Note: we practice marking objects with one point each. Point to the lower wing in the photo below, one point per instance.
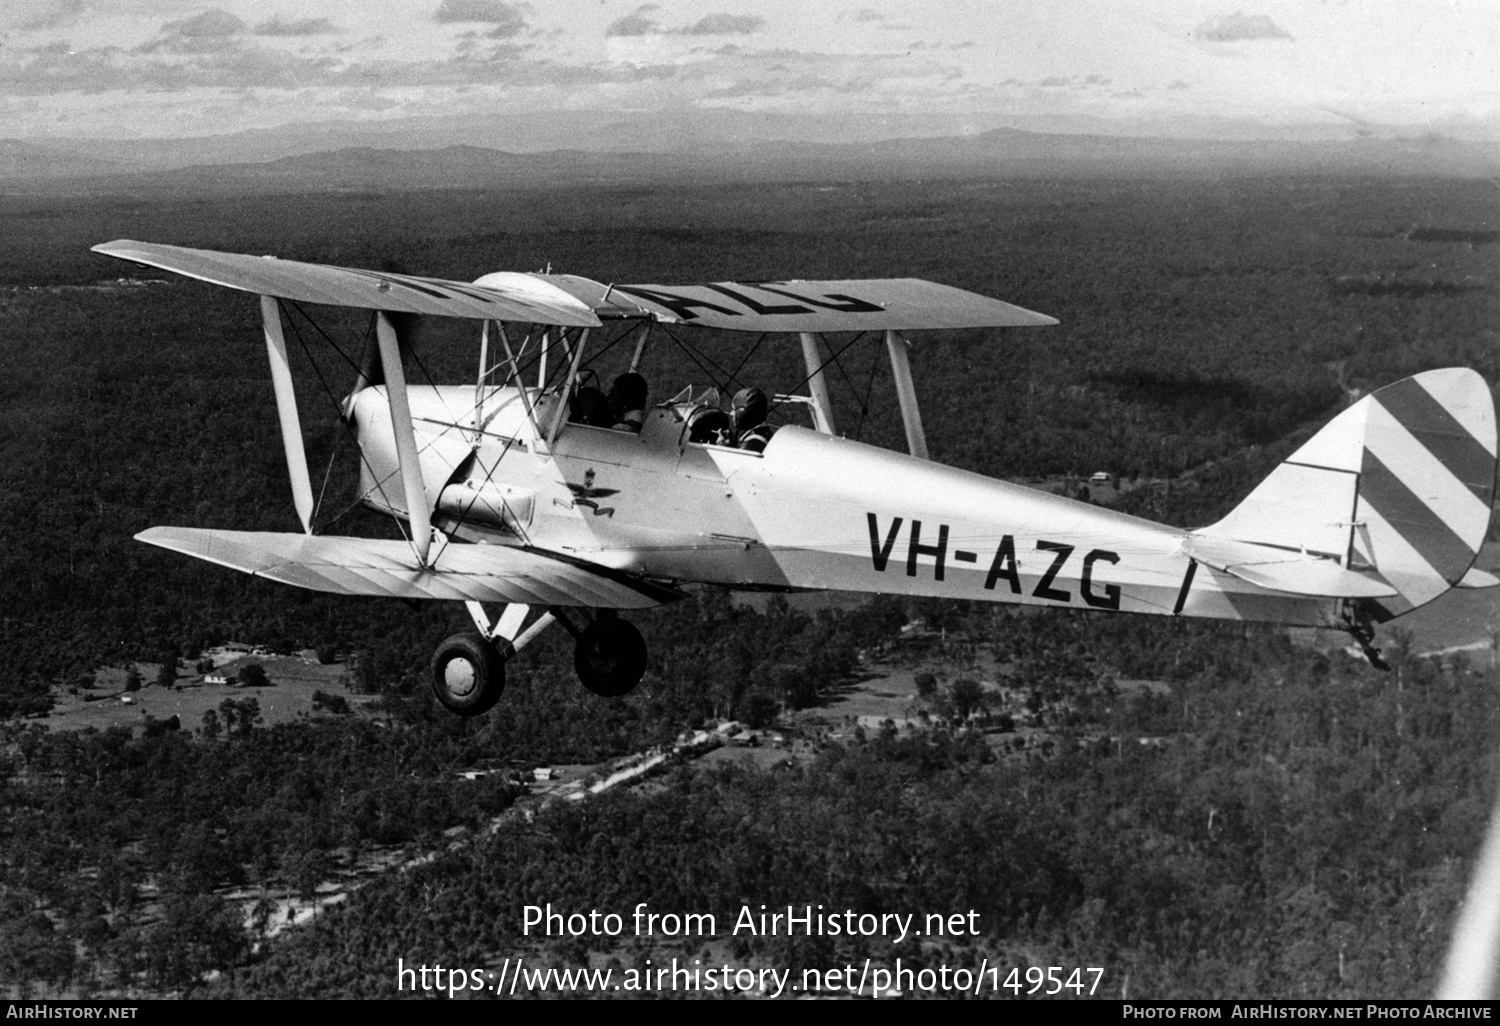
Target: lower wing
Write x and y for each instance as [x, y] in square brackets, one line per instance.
[389, 569]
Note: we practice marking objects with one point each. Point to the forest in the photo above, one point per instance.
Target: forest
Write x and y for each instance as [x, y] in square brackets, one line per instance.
[1281, 821]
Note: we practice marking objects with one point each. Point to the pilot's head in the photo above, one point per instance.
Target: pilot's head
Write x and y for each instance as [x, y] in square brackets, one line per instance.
[750, 409]
[628, 393]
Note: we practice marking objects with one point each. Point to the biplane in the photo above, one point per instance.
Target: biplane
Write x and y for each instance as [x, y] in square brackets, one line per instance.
[532, 493]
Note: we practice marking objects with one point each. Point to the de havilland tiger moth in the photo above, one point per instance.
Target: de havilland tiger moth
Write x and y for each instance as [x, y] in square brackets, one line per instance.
[534, 490]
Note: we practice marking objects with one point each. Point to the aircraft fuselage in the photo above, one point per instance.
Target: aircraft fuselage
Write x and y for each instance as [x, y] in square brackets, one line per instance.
[813, 511]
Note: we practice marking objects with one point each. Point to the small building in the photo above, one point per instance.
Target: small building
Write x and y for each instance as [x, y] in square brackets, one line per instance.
[214, 678]
[1101, 477]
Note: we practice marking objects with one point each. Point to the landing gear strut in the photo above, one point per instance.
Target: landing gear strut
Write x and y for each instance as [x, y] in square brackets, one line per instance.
[610, 656]
[468, 676]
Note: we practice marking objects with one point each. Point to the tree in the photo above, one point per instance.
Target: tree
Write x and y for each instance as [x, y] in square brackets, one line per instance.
[366, 672]
[337, 704]
[305, 870]
[133, 678]
[253, 675]
[197, 933]
[167, 675]
[211, 726]
[119, 880]
[327, 654]
[201, 861]
[926, 685]
[229, 712]
[967, 695]
[759, 711]
[260, 915]
[31, 948]
[249, 715]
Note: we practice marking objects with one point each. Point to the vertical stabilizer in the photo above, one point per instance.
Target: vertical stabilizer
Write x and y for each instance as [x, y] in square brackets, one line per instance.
[1399, 487]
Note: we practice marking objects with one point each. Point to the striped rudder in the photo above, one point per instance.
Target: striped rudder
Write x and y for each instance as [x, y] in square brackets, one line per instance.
[1426, 484]
[1397, 487]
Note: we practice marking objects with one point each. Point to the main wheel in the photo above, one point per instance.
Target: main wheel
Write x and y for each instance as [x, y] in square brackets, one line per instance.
[610, 657]
[467, 675]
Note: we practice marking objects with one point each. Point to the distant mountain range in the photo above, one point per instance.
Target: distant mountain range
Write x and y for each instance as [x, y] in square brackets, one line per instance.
[219, 164]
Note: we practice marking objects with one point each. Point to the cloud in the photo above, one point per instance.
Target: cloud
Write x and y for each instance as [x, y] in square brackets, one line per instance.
[503, 65]
[59, 68]
[508, 19]
[209, 50]
[1239, 26]
[258, 67]
[210, 24]
[724, 25]
[212, 31]
[752, 80]
[636, 23]
[53, 14]
[305, 27]
[640, 23]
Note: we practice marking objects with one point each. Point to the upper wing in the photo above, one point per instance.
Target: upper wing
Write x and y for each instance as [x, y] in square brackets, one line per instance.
[876, 304]
[518, 298]
[366, 566]
[898, 304]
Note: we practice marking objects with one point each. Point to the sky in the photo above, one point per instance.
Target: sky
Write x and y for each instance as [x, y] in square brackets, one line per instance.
[165, 68]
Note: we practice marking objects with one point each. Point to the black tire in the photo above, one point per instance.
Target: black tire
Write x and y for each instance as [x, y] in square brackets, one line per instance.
[610, 657]
[467, 675]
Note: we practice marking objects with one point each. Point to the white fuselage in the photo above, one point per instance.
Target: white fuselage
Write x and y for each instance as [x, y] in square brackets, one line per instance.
[812, 512]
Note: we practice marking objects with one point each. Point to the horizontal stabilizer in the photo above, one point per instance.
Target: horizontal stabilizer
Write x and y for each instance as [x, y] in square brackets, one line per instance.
[532, 300]
[1476, 579]
[1281, 570]
[389, 569]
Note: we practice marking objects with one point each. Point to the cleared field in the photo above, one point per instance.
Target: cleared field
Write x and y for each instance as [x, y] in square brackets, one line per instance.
[288, 696]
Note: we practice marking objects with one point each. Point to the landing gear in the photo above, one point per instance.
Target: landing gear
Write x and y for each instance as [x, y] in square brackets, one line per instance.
[467, 675]
[468, 670]
[610, 656]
